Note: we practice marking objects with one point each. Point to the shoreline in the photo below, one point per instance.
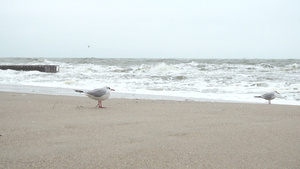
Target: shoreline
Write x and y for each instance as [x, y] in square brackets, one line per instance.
[117, 95]
[50, 131]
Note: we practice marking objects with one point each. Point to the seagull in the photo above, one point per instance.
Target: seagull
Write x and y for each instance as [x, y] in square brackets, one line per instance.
[268, 96]
[99, 94]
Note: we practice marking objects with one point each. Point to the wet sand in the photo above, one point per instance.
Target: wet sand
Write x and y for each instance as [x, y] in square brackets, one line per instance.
[46, 131]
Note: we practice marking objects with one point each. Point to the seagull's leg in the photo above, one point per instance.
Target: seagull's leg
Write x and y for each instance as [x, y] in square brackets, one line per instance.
[100, 104]
[269, 101]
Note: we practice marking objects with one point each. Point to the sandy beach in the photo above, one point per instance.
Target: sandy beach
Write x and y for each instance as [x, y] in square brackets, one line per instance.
[47, 131]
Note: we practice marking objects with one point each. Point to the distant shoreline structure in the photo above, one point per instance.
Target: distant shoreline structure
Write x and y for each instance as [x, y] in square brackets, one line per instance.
[41, 68]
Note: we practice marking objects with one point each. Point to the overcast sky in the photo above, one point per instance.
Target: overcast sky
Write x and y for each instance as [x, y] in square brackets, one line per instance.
[150, 28]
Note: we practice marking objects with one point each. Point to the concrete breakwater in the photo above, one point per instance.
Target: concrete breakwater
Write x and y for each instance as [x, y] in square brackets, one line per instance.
[41, 68]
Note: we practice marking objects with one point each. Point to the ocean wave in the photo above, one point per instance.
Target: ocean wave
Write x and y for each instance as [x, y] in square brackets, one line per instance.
[197, 78]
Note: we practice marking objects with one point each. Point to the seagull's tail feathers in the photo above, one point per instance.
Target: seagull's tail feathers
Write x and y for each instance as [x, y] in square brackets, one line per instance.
[79, 91]
[257, 97]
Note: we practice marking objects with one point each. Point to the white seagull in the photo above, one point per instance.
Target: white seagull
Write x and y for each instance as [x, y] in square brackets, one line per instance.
[98, 94]
[268, 96]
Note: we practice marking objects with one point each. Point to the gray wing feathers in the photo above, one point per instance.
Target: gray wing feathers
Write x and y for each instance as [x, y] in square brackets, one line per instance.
[268, 96]
[97, 92]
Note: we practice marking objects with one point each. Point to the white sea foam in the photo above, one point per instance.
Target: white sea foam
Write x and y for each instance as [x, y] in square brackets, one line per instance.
[221, 80]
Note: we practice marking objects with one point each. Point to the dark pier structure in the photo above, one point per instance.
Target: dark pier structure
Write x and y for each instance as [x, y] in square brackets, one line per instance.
[41, 68]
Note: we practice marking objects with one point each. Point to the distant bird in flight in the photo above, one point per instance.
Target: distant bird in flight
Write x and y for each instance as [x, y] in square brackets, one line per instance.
[88, 46]
[98, 94]
[268, 96]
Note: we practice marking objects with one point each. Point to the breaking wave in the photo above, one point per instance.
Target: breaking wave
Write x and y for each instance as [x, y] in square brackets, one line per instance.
[189, 78]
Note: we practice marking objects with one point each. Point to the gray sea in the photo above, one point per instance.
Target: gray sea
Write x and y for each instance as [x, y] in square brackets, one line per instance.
[225, 80]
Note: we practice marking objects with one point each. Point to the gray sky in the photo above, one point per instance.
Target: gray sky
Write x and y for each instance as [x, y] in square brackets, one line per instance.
[150, 28]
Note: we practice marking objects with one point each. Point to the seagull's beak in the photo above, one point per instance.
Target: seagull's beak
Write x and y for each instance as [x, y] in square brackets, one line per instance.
[112, 89]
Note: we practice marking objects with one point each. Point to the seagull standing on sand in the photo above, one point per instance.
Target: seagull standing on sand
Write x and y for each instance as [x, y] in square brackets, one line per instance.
[268, 96]
[98, 94]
